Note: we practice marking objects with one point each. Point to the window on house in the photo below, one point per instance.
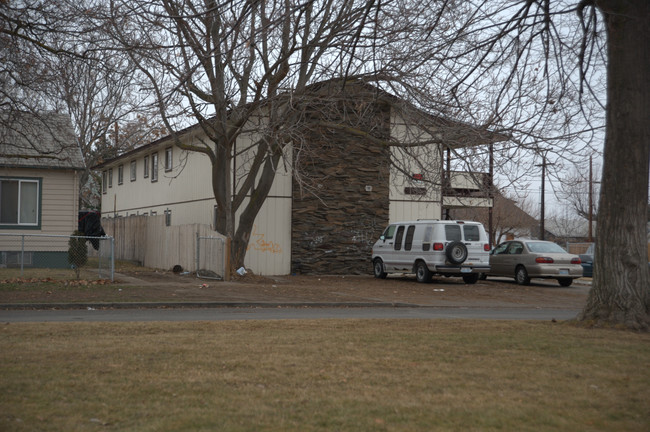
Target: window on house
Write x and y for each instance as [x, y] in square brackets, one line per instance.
[168, 159]
[120, 174]
[19, 199]
[154, 167]
[104, 181]
[415, 191]
[133, 170]
[110, 177]
[146, 167]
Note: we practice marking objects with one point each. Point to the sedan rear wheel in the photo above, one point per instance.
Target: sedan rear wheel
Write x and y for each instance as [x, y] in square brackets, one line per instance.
[565, 282]
[521, 276]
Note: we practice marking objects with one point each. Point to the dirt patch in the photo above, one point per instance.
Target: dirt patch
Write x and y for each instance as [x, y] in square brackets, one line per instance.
[159, 286]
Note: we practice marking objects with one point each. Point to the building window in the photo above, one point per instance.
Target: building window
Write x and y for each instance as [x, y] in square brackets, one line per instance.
[120, 174]
[415, 191]
[146, 167]
[168, 217]
[168, 159]
[133, 170]
[104, 181]
[154, 167]
[110, 177]
[19, 202]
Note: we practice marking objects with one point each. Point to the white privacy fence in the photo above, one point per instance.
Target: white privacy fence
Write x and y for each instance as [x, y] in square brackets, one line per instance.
[150, 241]
[26, 255]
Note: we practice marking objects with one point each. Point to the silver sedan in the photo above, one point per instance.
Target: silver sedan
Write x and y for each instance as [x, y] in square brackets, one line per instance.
[526, 259]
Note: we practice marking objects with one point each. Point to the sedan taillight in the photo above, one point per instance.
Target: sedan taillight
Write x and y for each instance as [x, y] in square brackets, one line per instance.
[544, 260]
[576, 261]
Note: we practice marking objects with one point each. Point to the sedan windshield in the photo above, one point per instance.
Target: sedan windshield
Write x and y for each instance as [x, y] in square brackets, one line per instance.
[544, 247]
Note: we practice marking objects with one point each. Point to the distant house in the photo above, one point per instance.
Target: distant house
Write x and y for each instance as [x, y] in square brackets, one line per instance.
[40, 164]
[357, 185]
[508, 219]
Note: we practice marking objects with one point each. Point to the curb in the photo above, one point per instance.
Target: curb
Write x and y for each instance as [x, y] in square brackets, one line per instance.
[197, 305]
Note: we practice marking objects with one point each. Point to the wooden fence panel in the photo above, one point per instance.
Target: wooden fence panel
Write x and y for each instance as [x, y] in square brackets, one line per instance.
[147, 240]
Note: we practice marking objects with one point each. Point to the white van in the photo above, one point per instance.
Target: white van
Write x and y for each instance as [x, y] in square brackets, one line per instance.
[427, 247]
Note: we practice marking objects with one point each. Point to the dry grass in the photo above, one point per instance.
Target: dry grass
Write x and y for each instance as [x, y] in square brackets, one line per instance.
[88, 271]
[322, 376]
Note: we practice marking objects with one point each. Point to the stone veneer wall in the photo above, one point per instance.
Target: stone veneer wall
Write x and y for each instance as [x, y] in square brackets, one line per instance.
[333, 232]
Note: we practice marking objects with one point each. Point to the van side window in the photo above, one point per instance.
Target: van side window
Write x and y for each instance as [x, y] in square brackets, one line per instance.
[408, 242]
[398, 238]
[471, 233]
[390, 232]
[452, 232]
[426, 240]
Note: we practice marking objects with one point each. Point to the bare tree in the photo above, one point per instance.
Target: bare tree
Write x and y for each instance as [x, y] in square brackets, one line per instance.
[230, 65]
[581, 189]
[546, 63]
[54, 59]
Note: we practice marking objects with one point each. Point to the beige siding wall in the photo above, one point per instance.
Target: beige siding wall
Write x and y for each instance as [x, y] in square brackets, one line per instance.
[186, 191]
[414, 159]
[59, 200]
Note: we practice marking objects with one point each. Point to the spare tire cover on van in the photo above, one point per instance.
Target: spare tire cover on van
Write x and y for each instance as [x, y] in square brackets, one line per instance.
[456, 252]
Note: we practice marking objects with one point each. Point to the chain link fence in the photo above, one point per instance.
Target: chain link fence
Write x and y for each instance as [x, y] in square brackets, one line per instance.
[56, 256]
[210, 257]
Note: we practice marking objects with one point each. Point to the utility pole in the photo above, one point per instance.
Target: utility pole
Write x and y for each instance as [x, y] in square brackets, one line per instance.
[591, 199]
[541, 222]
[491, 197]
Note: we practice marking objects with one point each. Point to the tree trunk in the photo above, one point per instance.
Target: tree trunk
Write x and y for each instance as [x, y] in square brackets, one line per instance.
[620, 292]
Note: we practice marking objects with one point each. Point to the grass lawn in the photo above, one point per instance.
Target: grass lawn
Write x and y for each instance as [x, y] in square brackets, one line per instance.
[323, 375]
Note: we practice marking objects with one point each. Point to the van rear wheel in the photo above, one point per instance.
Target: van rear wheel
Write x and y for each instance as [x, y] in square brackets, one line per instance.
[470, 278]
[378, 269]
[422, 273]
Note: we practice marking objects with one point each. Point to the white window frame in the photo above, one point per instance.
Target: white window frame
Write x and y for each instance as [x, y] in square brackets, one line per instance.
[146, 166]
[134, 170]
[37, 209]
[168, 159]
[154, 167]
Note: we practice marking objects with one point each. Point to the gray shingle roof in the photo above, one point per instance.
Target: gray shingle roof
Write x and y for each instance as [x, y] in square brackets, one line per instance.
[38, 141]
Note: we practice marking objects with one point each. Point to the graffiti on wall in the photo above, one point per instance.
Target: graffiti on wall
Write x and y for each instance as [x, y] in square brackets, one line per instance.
[259, 243]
